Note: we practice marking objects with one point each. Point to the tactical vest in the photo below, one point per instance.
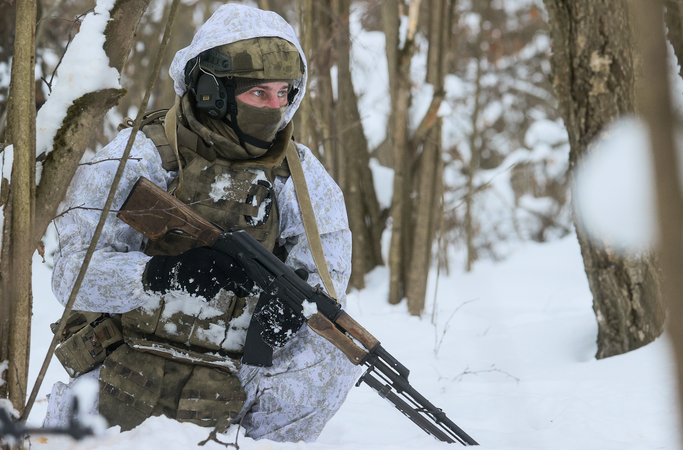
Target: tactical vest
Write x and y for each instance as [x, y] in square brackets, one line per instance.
[235, 195]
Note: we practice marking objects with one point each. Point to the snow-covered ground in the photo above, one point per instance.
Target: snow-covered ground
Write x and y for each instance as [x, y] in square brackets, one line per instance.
[510, 360]
[509, 354]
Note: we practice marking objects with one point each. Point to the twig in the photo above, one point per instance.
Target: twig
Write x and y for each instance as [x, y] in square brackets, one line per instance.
[76, 21]
[92, 163]
[437, 346]
[212, 435]
[105, 213]
[133, 212]
[479, 188]
[438, 258]
[493, 368]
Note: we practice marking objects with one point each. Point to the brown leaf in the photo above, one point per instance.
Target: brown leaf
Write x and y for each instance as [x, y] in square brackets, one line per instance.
[41, 251]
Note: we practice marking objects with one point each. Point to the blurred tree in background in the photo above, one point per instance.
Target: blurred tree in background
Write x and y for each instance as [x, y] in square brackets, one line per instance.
[595, 74]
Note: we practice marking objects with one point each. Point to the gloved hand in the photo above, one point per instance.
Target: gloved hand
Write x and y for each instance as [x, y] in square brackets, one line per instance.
[199, 271]
[279, 322]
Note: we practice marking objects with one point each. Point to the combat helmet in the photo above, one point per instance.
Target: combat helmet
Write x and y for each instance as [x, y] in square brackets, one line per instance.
[217, 76]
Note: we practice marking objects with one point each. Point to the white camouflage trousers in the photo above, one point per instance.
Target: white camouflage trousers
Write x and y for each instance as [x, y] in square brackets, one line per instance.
[288, 402]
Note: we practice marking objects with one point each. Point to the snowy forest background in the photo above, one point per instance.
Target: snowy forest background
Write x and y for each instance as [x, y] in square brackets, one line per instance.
[456, 163]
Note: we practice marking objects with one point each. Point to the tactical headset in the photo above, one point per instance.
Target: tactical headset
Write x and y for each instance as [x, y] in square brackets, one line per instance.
[209, 76]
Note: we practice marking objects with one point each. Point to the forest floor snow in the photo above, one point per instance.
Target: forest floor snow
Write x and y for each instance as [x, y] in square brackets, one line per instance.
[510, 360]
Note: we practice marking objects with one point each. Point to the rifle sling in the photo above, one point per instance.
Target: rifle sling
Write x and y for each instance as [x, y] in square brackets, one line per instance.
[308, 216]
[170, 126]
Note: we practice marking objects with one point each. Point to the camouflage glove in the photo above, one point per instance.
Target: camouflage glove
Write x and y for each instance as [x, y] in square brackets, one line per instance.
[199, 271]
[280, 323]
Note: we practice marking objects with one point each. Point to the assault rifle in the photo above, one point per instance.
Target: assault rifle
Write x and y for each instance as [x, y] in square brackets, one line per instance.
[11, 430]
[153, 212]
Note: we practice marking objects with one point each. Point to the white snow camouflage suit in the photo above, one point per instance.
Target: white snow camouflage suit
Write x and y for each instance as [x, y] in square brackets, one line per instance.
[309, 379]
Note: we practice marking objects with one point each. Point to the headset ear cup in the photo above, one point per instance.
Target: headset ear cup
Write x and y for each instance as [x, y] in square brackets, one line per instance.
[211, 97]
[191, 71]
[290, 96]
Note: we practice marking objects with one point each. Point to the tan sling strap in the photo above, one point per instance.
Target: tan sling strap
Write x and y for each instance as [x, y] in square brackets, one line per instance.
[308, 216]
[170, 126]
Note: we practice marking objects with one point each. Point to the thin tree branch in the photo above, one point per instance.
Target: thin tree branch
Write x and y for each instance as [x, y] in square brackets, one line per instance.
[493, 368]
[75, 21]
[92, 163]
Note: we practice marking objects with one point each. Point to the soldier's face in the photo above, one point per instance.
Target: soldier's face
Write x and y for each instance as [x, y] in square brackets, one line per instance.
[266, 95]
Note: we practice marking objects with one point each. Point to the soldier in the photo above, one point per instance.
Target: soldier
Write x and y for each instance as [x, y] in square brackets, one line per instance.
[163, 324]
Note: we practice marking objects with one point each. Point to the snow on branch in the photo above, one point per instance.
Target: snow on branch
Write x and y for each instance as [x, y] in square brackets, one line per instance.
[85, 68]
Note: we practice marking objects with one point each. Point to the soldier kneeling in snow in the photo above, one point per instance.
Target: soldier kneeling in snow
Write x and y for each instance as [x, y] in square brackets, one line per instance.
[162, 325]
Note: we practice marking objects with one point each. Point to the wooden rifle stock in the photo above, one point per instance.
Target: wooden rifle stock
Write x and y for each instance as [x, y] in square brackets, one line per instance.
[154, 212]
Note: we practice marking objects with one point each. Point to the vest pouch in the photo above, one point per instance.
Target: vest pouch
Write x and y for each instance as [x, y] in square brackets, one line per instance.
[75, 322]
[130, 387]
[181, 319]
[211, 397]
[143, 319]
[180, 353]
[87, 348]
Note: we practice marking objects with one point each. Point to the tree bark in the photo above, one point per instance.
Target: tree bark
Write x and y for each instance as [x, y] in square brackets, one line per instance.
[16, 283]
[429, 175]
[655, 101]
[400, 203]
[594, 80]
[359, 191]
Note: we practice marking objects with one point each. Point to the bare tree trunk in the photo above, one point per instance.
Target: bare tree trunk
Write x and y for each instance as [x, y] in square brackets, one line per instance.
[674, 24]
[16, 283]
[359, 191]
[594, 82]
[5, 306]
[655, 101]
[390, 26]
[324, 107]
[429, 175]
[306, 37]
[400, 203]
[473, 166]
[7, 22]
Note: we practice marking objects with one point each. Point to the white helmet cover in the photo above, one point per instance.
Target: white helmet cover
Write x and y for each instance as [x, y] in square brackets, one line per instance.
[235, 22]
